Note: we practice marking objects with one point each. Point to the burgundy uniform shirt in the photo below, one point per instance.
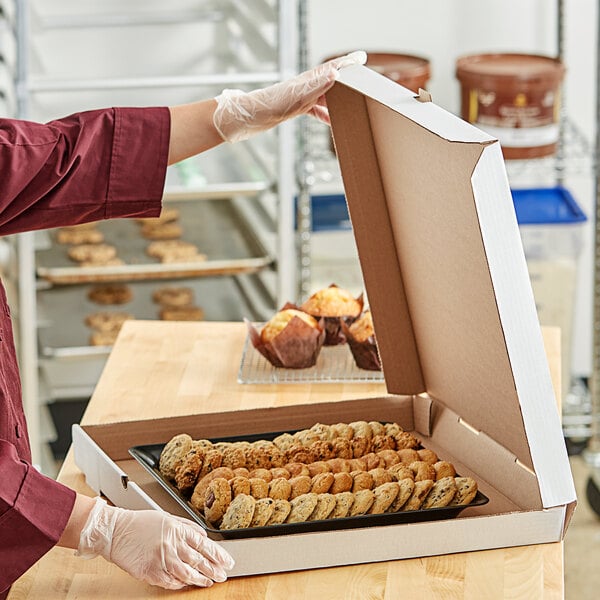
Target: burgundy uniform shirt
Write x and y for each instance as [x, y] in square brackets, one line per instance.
[93, 165]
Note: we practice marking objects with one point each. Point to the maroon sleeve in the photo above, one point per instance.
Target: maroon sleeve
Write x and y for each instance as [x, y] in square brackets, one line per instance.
[34, 511]
[92, 165]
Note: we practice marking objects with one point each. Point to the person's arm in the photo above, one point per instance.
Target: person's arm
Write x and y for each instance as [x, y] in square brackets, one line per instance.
[192, 130]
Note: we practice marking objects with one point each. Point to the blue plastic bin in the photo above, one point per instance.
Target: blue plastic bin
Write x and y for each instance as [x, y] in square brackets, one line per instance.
[550, 222]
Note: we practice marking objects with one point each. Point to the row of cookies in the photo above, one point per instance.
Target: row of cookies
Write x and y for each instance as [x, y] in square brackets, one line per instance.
[185, 461]
[279, 485]
[320, 442]
[244, 510]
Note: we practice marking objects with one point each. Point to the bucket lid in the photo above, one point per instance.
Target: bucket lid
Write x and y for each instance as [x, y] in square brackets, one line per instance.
[509, 66]
[394, 65]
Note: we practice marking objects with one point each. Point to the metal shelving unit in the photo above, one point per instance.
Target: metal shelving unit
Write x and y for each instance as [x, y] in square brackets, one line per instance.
[253, 44]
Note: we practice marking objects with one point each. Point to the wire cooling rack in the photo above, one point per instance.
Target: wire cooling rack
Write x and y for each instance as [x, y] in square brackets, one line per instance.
[334, 365]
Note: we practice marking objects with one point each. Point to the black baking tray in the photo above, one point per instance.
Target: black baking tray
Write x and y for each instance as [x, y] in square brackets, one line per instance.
[148, 456]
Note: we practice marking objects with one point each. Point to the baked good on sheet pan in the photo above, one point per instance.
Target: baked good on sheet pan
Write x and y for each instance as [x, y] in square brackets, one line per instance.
[181, 313]
[172, 295]
[161, 231]
[381, 482]
[96, 254]
[110, 293]
[167, 214]
[333, 304]
[107, 321]
[74, 235]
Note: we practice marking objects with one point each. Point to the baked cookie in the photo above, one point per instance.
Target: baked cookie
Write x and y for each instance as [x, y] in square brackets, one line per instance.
[405, 490]
[362, 503]
[302, 507]
[390, 457]
[103, 338]
[161, 231]
[234, 458]
[174, 258]
[173, 450]
[213, 459]
[419, 493]
[263, 509]
[172, 248]
[422, 470]
[441, 494]
[339, 465]
[408, 455]
[362, 480]
[259, 488]
[300, 485]
[406, 440]
[373, 461]
[281, 510]
[318, 467]
[321, 483]
[284, 441]
[198, 495]
[110, 293]
[325, 505]
[466, 489]
[92, 253]
[401, 471]
[239, 485]
[380, 476]
[280, 489]
[360, 446]
[111, 262]
[107, 321]
[362, 429]
[239, 513]
[385, 494]
[261, 473]
[297, 469]
[392, 429]
[342, 448]
[188, 469]
[79, 236]
[277, 472]
[217, 499]
[443, 469]
[382, 442]
[427, 455]
[171, 295]
[343, 504]
[342, 430]
[181, 313]
[342, 482]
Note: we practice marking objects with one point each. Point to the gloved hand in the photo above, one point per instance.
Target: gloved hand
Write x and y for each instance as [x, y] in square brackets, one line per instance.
[242, 114]
[153, 546]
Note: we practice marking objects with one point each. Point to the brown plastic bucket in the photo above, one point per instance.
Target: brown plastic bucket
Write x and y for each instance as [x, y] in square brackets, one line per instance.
[515, 98]
[412, 72]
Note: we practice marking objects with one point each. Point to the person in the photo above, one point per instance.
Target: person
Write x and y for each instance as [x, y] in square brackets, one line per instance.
[102, 164]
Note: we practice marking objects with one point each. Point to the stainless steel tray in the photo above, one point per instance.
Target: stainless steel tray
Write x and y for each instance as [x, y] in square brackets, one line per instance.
[215, 226]
[335, 364]
[148, 456]
[225, 171]
[62, 332]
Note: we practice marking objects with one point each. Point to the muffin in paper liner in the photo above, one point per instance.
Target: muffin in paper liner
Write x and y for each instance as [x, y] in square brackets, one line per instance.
[333, 304]
[360, 336]
[296, 346]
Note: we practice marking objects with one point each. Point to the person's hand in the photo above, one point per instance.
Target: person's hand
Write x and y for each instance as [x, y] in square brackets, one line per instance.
[241, 114]
[153, 546]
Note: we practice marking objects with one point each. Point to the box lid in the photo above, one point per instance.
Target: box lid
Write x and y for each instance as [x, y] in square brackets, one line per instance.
[444, 268]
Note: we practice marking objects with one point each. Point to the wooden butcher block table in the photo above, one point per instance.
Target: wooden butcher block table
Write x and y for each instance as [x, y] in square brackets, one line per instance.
[159, 369]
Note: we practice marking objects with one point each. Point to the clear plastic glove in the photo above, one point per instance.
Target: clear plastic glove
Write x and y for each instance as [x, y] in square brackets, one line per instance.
[241, 114]
[153, 546]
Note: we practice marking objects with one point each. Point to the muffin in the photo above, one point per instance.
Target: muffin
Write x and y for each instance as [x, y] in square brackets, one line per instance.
[333, 304]
[291, 339]
[360, 336]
